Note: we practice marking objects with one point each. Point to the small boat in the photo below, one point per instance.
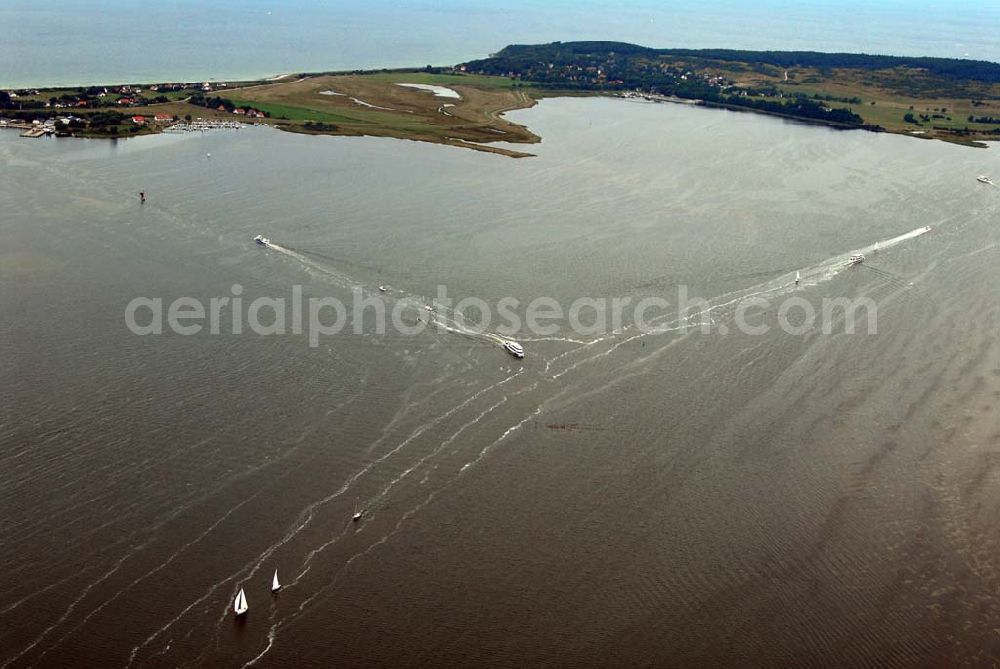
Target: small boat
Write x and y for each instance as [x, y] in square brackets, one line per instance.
[275, 585]
[382, 289]
[357, 512]
[798, 277]
[983, 179]
[514, 348]
[856, 259]
[428, 307]
[262, 240]
[875, 250]
[240, 604]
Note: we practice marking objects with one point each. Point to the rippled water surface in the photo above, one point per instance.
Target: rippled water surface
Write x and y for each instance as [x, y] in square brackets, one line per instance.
[674, 498]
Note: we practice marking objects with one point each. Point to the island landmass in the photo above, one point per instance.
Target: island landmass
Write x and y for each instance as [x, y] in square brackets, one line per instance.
[933, 98]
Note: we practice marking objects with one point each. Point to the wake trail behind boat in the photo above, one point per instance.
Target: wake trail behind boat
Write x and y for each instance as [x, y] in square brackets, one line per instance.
[345, 281]
[336, 259]
[888, 243]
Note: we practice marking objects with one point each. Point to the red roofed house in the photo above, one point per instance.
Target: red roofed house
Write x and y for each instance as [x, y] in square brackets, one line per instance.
[125, 101]
[163, 118]
[239, 110]
[140, 120]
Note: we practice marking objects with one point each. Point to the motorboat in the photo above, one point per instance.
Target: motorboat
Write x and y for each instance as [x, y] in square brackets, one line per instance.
[428, 307]
[262, 240]
[514, 348]
[983, 179]
[856, 259]
[382, 289]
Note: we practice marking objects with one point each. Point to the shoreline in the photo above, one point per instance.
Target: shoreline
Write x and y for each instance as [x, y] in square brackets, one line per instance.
[299, 102]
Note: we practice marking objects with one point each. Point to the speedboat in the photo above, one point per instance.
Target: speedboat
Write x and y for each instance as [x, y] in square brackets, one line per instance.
[428, 307]
[382, 289]
[856, 259]
[983, 179]
[514, 348]
[262, 240]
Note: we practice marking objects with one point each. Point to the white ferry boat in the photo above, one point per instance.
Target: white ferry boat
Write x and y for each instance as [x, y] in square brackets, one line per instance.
[514, 348]
[856, 259]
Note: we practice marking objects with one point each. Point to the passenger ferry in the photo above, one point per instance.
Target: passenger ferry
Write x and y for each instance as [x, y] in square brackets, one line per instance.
[514, 348]
[856, 259]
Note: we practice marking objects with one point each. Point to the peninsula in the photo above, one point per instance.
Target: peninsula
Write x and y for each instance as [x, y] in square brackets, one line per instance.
[463, 105]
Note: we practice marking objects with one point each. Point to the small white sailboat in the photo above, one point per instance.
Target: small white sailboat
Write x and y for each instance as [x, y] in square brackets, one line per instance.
[240, 604]
[798, 277]
[382, 289]
[275, 585]
[357, 512]
[875, 250]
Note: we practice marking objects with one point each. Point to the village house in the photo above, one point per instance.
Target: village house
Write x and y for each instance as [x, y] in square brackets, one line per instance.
[163, 118]
[139, 120]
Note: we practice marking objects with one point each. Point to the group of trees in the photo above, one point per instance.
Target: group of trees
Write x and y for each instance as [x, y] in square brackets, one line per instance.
[211, 101]
[215, 101]
[798, 107]
[948, 68]
[319, 126]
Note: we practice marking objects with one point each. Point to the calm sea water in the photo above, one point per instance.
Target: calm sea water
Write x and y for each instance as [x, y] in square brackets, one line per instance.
[81, 42]
[669, 499]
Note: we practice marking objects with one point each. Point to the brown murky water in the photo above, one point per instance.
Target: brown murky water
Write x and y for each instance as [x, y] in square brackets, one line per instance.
[666, 499]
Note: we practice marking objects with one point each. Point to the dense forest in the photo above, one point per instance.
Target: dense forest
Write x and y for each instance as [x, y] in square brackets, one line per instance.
[518, 56]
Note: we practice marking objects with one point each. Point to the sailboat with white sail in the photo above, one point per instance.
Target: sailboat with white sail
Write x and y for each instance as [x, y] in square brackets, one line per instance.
[240, 603]
[275, 585]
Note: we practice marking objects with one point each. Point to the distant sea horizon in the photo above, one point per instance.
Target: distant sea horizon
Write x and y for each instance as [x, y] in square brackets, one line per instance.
[122, 42]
